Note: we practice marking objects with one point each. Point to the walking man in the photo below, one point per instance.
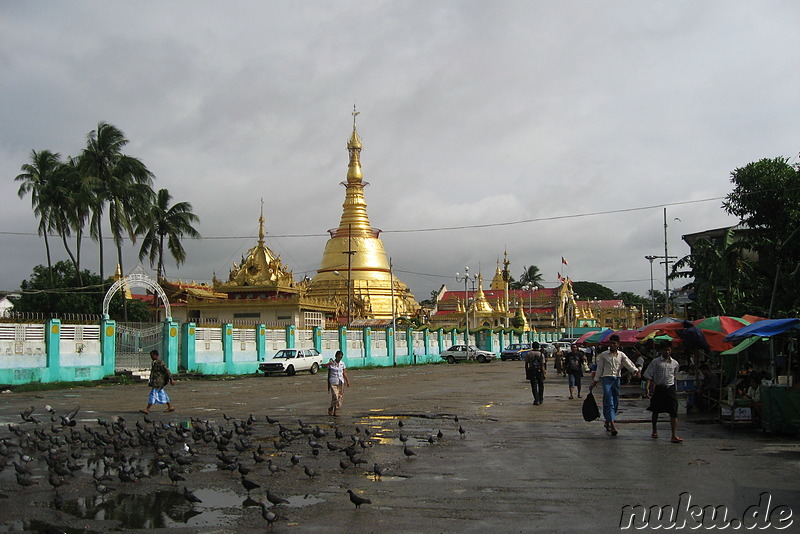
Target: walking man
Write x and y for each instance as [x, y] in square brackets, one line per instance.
[536, 372]
[664, 399]
[337, 379]
[159, 377]
[609, 371]
[574, 368]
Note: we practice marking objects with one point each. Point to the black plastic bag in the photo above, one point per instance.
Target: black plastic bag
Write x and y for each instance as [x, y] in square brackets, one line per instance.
[590, 410]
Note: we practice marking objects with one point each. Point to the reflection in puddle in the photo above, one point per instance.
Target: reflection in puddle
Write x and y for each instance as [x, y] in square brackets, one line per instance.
[161, 509]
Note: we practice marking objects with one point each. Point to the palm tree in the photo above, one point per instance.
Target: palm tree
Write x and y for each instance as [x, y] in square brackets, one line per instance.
[531, 276]
[121, 182]
[37, 178]
[160, 222]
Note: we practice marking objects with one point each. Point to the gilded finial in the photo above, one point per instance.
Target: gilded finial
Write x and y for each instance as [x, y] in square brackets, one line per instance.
[261, 225]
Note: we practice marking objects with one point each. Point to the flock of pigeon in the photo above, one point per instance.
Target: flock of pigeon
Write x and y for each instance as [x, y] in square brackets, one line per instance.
[256, 451]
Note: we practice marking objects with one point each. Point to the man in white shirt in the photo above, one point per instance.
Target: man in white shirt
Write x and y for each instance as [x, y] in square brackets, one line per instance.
[664, 399]
[609, 370]
[337, 379]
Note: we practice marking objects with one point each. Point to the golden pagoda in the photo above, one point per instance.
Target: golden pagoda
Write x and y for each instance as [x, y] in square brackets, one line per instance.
[355, 268]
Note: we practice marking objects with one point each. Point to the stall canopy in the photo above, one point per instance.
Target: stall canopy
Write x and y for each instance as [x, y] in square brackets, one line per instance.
[765, 328]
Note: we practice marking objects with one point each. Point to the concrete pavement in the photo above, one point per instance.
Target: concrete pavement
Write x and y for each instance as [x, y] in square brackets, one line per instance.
[517, 468]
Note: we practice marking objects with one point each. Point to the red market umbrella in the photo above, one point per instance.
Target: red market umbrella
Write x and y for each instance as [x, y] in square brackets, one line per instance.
[627, 338]
[586, 336]
[716, 328]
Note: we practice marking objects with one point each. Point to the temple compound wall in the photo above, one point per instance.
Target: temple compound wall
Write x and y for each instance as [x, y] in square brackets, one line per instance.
[55, 352]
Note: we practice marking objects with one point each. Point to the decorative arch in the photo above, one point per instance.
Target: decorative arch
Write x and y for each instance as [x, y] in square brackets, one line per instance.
[137, 278]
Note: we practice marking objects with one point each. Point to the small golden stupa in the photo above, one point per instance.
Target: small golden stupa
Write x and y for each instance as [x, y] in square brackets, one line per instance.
[355, 269]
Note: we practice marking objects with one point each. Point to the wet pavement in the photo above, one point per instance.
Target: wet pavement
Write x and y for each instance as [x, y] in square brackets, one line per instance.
[516, 467]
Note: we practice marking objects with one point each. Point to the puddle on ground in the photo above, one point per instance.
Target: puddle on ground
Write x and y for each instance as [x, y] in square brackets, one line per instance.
[385, 478]
[303, 500]
[160, 509]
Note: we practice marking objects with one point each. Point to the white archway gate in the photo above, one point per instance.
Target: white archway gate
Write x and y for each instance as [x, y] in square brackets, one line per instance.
[134, 341]
[137, 278]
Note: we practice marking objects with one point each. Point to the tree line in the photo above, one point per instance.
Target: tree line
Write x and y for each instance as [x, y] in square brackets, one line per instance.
[103, 188]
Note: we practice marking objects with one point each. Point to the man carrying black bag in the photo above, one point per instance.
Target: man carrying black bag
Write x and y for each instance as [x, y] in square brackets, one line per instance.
[536, 372]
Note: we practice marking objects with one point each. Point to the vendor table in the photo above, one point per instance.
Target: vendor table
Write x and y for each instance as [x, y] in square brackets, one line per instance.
[780, 409]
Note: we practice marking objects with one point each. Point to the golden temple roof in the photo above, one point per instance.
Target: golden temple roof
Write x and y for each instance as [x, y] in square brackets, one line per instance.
[481, 304]
[259, 268]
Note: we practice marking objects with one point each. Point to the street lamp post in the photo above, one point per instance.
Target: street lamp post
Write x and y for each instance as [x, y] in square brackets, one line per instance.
[529, 288]
[465, 278]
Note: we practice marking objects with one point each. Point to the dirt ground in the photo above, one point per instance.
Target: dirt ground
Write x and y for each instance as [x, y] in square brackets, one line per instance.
[515, 468]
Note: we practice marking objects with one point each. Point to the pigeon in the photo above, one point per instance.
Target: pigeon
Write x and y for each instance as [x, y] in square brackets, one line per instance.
[268, 515]
[310, 472]
[455, 418]
[408, 452]
[274, 468]
[403, 437]
[25, 480]
[358, 500]
[376, 469]
[295, 459]
[439, 435]
[343, 464]
[271, 421]
[462, 431]
[26, 415]
[249, 485]
[69, 419]
[58, 501]
[400, 424]
[275, 500]
[191, 497]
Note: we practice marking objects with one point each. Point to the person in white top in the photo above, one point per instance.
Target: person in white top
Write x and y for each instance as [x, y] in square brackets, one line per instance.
[609, 369]
[661, 372]
[337, 379]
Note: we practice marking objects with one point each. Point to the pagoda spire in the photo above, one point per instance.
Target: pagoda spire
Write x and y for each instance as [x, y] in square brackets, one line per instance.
[354, 221]
[261, 226]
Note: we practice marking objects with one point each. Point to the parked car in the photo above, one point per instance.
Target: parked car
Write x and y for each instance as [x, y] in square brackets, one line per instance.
[459, 353]
[515, 351]
[547, 348]
[563, 345]
[290, 361]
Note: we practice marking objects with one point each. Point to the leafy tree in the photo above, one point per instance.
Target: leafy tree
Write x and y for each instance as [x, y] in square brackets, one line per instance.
[67, 296]
[766, 199]
[722, 275]
[592, 290]
[37, 179]
[122, 183]
[162, 222]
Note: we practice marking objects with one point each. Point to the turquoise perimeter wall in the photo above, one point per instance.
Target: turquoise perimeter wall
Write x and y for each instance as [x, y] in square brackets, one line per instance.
[224, 350]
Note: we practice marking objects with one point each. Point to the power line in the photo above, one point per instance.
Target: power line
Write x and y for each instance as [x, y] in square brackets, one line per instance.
[448, 228]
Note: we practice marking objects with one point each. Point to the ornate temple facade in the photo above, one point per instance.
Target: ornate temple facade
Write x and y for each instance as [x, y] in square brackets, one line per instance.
[541, 309]
[355, 270]
[259, 289]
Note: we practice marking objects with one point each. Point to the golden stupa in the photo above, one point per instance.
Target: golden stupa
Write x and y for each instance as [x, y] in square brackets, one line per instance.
[355, 269]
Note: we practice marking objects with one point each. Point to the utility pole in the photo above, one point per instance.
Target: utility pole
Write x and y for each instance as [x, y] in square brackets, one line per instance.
[349, 253]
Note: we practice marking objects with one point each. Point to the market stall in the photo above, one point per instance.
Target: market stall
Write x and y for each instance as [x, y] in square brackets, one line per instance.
[778, 396]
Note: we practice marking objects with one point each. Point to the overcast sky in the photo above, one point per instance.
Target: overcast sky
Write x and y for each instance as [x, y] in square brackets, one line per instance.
[583, 118]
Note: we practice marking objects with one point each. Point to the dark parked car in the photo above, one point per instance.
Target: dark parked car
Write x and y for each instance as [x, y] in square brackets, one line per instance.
[515, 351]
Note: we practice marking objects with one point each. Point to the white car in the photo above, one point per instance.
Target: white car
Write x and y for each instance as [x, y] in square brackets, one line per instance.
[290, 361]
[460, 353]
